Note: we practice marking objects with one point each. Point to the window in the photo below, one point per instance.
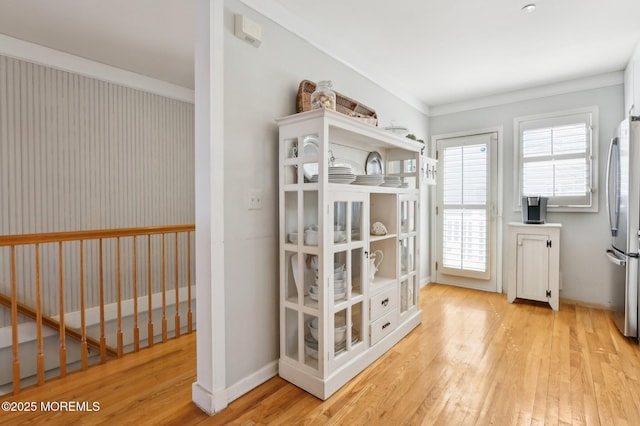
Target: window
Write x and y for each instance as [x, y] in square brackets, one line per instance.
[555, 158]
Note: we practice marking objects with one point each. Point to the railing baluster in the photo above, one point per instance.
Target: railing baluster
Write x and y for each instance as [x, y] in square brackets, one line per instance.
[189, 314]
[84, 350]
[14, 323]
[103, 339]
[119, 294]
[63, 344]
[164, 292]
[39, 319]
[150, 325]
[136, 330]
[177, 334]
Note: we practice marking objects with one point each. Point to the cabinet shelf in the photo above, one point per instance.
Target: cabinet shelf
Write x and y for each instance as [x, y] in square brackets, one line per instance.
[374, 238]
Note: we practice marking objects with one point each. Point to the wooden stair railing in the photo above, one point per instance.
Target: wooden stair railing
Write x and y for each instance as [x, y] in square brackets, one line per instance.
[13, 241]
[55, 325]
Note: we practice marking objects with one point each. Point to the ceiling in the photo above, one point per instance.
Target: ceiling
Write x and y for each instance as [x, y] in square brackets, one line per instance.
[438, 51]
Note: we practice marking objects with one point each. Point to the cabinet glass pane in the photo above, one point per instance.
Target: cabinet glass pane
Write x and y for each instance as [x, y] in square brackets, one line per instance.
[293, 280]
[309, 153]
[357, 209]
[408, 293]
[407, 255]
[408, 216]
[340, 222]
[339, 337]
[291, 333]
[291, 148]
[290, 174]
[312, 336]
[291, 217]
[340, 274]
[356, 275]
[310, 203]
[312, 290]
[357, 325]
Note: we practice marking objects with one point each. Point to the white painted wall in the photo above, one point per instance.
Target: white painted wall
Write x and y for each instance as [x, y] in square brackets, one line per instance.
[585, 271]
[260, 86]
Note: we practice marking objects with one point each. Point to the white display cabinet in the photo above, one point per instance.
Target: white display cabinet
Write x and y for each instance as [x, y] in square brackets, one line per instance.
[346, 296]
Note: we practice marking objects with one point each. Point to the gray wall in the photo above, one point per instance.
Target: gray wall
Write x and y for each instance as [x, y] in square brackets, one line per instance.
[585, 271]
[260, 86]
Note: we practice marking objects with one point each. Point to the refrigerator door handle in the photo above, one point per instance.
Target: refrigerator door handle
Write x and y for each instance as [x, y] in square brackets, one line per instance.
[611, 255]
[613, 215]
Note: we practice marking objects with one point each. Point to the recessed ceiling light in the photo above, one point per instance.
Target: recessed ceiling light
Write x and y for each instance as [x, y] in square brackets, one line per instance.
[529, 8]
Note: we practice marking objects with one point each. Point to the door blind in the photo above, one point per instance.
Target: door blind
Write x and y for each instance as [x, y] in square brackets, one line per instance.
[465, 213]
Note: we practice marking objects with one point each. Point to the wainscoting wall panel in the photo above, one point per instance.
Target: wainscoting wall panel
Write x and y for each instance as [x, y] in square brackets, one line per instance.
[78, 153]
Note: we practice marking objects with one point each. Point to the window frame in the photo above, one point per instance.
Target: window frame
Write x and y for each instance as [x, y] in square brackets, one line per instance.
[527, 121]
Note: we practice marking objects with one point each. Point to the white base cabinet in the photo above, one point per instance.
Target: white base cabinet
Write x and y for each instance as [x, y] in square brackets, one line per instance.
[534, 267]
[346, 296]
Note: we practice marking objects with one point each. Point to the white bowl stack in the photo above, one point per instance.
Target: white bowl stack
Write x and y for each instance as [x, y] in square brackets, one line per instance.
[371, 180]
[339, 285]
[392, 181]
[339, 336]
[341, 174]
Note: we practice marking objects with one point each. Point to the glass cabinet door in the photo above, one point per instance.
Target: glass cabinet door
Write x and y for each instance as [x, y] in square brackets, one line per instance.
[346, 275]
[408, 252]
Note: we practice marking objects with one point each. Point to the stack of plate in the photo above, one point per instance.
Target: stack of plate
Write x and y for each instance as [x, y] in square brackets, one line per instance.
[341, 174]
[373, 180]
[392, 181]
[313, 179]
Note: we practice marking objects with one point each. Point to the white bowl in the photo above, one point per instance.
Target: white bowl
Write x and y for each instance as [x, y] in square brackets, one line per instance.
[339, 294]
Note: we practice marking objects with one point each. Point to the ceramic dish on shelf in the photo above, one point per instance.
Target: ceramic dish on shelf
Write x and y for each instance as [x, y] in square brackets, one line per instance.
[374, 165]
[353, 166]
[310, 148]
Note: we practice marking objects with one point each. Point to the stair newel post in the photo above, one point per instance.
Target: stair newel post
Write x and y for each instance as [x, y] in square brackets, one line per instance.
[63, 346]
[14, 323]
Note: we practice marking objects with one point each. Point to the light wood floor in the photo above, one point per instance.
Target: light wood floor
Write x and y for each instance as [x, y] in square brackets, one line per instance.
[475, 359]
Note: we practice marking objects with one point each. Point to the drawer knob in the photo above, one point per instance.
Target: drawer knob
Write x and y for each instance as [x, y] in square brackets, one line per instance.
[386, 325]
[385, 302]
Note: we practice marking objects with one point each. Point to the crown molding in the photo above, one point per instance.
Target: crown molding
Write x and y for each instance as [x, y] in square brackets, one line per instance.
[570, 86]
[329, 45]
[49, 57]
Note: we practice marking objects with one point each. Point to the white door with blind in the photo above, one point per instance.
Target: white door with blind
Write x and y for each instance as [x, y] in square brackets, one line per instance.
[466, 211]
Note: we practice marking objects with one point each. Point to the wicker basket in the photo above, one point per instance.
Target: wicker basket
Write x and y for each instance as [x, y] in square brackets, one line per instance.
[344, 105]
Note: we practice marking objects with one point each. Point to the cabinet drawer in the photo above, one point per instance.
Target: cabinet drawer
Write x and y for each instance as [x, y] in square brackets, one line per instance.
[383, 326]
[383, 302]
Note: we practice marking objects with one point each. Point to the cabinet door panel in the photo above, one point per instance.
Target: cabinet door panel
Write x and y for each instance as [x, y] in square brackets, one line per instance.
[532, 267]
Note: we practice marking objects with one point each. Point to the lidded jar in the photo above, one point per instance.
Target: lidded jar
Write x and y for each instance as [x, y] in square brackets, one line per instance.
[324, 96]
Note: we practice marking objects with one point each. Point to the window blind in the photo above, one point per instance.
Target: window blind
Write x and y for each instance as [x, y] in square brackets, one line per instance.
[556, 159]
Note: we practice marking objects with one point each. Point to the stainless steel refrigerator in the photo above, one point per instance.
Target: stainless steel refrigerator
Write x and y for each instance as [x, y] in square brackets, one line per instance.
[623, 205]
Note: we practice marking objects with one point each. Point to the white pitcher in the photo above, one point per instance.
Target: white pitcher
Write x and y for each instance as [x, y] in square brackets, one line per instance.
[375, 259]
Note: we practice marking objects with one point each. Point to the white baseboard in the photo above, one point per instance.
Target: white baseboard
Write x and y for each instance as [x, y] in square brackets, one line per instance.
[425, 281]
[254, 380]
[212, 403]
[208, 402]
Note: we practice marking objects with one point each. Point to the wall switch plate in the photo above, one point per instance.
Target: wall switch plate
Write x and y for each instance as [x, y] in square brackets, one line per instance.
[254, 199]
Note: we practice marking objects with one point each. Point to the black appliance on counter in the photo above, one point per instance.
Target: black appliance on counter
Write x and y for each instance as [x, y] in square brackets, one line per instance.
[534, 209]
